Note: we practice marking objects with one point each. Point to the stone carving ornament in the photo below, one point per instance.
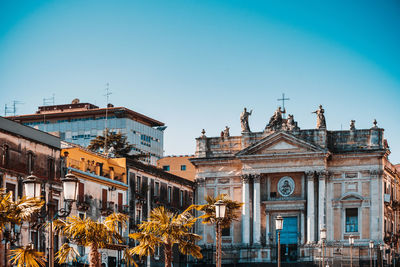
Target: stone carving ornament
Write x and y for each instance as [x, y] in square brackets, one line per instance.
[286, 186]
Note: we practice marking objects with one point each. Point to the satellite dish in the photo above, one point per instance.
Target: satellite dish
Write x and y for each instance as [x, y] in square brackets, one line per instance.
[75, 101]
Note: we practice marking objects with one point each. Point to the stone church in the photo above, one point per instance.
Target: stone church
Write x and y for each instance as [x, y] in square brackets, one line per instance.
[314, 178]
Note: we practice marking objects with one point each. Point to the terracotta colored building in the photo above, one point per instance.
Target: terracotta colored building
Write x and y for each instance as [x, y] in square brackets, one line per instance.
[178, 165]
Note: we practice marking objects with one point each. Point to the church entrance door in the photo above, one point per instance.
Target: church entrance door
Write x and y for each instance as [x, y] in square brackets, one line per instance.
[289, 239]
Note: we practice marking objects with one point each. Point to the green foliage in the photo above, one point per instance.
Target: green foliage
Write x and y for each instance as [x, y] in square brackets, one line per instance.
[16, 212]
[232, 210]
[165, 228]
[117, 141]
[27, 257]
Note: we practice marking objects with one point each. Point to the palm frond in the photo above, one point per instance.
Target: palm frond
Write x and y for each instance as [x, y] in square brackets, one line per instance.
[66, 253]
[27, 256]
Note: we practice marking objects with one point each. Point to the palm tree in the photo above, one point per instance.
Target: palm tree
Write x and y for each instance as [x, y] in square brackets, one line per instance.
[15, 212]
[86, 232]
[231, 214]
[165, 229]
[27, 256]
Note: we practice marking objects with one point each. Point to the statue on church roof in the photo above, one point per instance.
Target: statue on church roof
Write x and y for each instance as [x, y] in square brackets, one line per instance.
[275, 122]
[352, 125]
[244, 120]
[321, 124]
[226, 131]
[291, 124]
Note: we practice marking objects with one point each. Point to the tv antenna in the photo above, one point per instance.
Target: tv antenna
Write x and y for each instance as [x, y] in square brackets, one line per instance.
[12, 109]
[49, 101]
[107, 95]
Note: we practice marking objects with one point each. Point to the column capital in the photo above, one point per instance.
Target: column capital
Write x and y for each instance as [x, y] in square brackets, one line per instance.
[310, 175]
[199, 182]
[323, 174]
[246, 178]
[257, 178]
[376, 172]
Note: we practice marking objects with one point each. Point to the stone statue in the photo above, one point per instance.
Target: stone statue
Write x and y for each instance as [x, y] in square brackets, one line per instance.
[352, 125]
[244, 120]
[275, 122]
[321, 124]
[290, 123]
[226, 132]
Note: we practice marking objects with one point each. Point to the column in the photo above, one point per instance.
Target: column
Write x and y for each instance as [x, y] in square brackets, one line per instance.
[246, 209]
[267, 228]
[256, 210]
[321, 200]
[310, 207]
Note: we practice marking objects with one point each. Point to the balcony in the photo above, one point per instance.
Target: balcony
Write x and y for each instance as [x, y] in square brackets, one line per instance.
[83, 203]
[106, 208]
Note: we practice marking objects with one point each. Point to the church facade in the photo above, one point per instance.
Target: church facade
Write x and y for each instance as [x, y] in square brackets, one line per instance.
[338, 180]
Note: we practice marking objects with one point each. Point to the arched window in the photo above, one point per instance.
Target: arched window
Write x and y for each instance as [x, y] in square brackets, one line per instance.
[6, 155]
[30, 163]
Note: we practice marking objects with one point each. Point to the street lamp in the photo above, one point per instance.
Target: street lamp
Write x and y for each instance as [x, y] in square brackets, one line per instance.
[279, 227]
[323, 238]
[371, 247]
[220, 208]
[32, 185]
[351, 242]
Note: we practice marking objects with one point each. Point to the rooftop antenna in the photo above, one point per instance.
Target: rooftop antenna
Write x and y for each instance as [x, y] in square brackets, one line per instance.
[13, 108]
[107, 95]
[49, 101]
[283, 103]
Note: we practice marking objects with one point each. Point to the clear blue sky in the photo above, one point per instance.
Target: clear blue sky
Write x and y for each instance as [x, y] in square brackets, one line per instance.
[196, 64]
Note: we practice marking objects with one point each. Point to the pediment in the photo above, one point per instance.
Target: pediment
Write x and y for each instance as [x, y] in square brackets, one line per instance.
[280, 143]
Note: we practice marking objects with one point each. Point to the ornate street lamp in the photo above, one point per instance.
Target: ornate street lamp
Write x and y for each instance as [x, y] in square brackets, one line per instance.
[322, 235]
[32, 186]
[220, 208]
[371, 247]
[351, 242]
[279, 227]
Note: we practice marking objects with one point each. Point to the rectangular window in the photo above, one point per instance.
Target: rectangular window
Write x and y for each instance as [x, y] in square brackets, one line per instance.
[81, 192]
[181, 198]
[104, 199]
[352, 220]
[120, 202]
[166, 168]
[169, 197]
[226, 231]
[34, 239]
[50, 168]
[138, 183]
[11, 188]
[157, 189]
[183, 167]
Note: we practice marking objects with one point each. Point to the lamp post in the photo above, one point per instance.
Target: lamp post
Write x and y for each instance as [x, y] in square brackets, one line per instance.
[220, 208]
[32, 185]
[351, 242]
[323, 238]
[382, 248]
[371, 247]
[279, 227]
